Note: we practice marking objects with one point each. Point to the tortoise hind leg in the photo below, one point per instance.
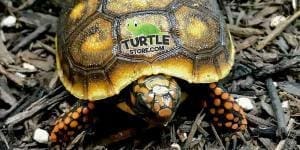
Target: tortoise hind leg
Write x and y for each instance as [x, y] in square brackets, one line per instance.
[72, 123]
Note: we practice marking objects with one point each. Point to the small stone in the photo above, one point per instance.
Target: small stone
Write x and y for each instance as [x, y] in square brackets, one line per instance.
[29, 66]
[285, 105]
[182, 135]
[41, 136]
[9, 21]
[275, 84]
[277, 20]
[245, 103]
[20, 75]
[175, 146]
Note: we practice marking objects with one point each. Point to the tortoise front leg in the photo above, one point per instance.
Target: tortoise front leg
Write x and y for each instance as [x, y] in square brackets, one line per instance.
[72, 123]
[226, 113]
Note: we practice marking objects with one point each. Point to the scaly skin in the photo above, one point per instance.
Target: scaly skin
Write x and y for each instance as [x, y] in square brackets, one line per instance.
[155, 99]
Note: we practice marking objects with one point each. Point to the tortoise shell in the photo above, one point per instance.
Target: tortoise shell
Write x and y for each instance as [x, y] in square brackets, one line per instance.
[105, 45]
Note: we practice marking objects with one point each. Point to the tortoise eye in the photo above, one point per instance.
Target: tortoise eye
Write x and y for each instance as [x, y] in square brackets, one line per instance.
[135, 23]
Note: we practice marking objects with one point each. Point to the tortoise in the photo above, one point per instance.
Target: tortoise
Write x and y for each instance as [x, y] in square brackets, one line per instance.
[149, 47]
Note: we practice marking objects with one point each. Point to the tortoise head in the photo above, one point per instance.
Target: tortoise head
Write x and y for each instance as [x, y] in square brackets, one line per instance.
[156, 98]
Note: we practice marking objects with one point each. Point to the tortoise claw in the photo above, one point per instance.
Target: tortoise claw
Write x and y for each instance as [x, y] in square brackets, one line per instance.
[232, 139]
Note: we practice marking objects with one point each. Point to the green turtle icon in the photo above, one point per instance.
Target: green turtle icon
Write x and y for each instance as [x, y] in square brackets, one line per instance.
[145, 29]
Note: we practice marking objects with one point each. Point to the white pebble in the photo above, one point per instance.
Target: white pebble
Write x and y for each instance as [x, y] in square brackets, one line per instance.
[20, 75]
[9, 21]
[285, 105]
[275, 84]
[41, 136]
[175, 146]
[29, 66]
[182, 136]
[245, 103]
[277, 20]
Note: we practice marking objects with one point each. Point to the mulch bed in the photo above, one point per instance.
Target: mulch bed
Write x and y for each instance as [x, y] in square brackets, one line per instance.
[266, 72]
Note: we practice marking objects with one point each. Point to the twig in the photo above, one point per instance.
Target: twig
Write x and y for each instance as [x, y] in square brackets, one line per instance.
[244, 32]
[40, 105]
[2, 137]
[77, 139]
[31, 37]
[277, 108]
[258, 121]
[194, 128]
[19, 81]
[5, 56]
[277, 31]
[47, 47]
[217, 136]
[281, 66]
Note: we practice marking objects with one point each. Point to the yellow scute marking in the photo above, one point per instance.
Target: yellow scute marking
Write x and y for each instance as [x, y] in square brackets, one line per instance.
[77, 11]
[93, 43]
[196, 28]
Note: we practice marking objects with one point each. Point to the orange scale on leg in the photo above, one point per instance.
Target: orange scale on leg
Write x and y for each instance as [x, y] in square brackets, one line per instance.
[217, 102]
[218, 91]
[236, 119]
[212, 111]
[231, 98]
[235, 126]
[55, 129]
[243, 127]
[69, 114]
[61, 125]
[67, 120]
[242, 113]
[236, 107]
[228, 105]
[229, 116]
[75, 115]
[85, 111]
[79, 109]
[74, 124]
[53, 137]
[244, 121]
[225, 96]
[228, 124]
[221, 111]
[212, 85]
